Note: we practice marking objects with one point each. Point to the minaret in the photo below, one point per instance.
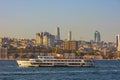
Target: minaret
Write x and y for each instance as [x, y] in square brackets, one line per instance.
[57, 34]
[69, 36]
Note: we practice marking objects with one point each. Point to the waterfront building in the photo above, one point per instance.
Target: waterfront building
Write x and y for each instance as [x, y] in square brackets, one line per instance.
[57, 34]
[69, 36]
[97, 37]
[70, 45]
[3, 53]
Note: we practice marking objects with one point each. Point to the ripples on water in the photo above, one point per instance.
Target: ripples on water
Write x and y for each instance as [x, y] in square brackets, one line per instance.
[103, 70]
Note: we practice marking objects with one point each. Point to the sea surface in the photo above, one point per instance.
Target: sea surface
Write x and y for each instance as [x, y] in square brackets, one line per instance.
[103, 70]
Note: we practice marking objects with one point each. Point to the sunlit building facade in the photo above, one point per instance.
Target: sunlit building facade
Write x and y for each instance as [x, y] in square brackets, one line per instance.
[70, 45]
[39, 38]
[48, 40]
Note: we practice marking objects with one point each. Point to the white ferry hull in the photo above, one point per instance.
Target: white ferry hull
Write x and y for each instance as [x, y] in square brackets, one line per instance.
[25, 64]
[29, 64]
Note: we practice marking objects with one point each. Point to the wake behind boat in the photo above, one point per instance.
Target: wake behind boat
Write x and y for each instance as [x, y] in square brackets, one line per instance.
[52, 61]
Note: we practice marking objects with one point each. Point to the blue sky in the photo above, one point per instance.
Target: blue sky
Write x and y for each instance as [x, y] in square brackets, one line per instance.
[24, 18]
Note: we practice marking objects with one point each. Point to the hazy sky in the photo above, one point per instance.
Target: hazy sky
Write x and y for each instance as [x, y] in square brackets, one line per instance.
[24, 18]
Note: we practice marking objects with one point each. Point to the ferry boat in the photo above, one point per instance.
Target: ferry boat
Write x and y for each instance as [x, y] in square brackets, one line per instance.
[52, 61]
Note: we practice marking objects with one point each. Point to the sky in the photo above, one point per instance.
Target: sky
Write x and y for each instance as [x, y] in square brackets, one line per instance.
[25, 18]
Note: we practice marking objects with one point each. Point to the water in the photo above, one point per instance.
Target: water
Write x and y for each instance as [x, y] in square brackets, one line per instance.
[103, 70]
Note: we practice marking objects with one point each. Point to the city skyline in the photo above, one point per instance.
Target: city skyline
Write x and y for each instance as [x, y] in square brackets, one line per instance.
[23, 19]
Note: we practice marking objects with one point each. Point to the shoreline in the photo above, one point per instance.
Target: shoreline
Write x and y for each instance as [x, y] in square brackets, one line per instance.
[24, 59]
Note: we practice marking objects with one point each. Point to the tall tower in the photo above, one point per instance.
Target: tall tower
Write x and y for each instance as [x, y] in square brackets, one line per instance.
[69, 36]
[97, 37]
[118, 42]
[57, 33]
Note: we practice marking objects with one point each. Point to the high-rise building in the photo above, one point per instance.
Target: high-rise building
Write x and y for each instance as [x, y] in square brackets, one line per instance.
[97, 37]
[45, 39]
[69, 36]
[118, 42]
[48, 40]
[57, 34]
[39, 38]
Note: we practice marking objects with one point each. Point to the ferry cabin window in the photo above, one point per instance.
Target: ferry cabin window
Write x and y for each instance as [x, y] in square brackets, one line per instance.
[76, 60]
[82, 61]
[59, 63]
[74, 63]
[46, 64]
[79, 60]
